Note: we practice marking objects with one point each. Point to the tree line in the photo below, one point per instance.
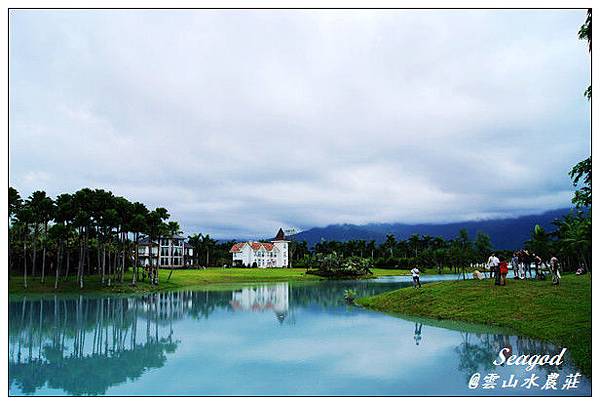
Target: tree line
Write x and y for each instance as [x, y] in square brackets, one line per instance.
[88, 232]
[94, 232]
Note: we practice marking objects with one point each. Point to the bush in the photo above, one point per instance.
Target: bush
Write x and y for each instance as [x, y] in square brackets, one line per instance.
[350, 295]
[334, 266]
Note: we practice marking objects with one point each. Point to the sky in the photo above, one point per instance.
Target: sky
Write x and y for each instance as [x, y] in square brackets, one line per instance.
[243, 121]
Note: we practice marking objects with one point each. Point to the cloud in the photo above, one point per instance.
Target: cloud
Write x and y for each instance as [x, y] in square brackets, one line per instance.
[239, 122]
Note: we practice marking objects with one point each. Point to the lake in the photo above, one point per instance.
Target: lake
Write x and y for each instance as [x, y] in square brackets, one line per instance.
[262, 339]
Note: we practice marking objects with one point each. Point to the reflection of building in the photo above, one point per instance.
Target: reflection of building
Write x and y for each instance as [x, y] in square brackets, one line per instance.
[169, 252]
[259, 254]
[273, 297]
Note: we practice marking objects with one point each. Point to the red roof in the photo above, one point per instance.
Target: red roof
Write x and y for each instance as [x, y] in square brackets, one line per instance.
[257, 245]
[237, 247]
[254, 245]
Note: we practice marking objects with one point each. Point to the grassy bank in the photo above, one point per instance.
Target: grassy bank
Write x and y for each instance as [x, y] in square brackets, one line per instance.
[179, 279]
[561, 315]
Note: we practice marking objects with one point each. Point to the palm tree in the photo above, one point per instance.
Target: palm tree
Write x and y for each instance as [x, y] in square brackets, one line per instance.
[124, 210]
[156, 228]
[57, 235]
[389, 244]
[371, 248]
[24, 218]
[575, 238]
[483, 246]
[36, 203]
[465, 250]
[14, 205]
[137, 226]
[208, 244]
[47, 208]
[195, 240]
[83, 220]
[540, 243]
[14, 202]
[413, 242]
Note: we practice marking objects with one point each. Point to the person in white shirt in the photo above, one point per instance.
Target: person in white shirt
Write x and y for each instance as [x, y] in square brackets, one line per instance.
[493, 263]
[415, 275]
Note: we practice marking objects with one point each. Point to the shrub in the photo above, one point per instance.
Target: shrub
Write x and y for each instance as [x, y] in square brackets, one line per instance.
[334, 266]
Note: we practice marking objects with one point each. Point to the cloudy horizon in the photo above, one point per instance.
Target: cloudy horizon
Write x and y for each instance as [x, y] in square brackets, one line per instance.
[241, 122]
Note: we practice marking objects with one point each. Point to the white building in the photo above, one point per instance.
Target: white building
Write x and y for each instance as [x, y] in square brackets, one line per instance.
[168, 252]
[262, 254]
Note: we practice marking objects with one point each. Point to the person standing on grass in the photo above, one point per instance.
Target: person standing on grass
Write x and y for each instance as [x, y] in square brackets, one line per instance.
[538, 263]
[515, 264]
[503, 267]
[490, 264]
[493, 263]
[554, 270]
[526, 264]
[415, 275]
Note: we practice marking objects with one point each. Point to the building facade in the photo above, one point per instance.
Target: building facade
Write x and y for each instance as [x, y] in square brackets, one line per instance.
[168, 252]
[261, 254]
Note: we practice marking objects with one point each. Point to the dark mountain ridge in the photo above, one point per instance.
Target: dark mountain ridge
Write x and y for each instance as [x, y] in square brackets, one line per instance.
[506, 233]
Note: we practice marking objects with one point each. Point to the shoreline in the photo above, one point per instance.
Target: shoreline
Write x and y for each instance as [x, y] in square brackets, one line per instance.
[559, 315]
[181, 278]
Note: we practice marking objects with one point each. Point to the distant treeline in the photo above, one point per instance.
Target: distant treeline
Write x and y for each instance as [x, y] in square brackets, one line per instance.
[94, 232]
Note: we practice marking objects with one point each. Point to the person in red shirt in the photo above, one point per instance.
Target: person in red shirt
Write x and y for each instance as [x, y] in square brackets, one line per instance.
[503, 266]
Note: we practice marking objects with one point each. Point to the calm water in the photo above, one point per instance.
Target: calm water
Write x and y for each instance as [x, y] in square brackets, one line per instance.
[269, 339]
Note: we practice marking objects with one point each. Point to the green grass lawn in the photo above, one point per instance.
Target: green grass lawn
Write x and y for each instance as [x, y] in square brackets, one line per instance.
[179, 279]
[184, 278]
[558, 314]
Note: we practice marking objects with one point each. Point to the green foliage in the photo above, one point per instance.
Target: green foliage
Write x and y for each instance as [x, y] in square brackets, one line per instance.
[350, 295]
[581, 174]
[334, 266]
[585, 32]
[572, 240]
[88, 231]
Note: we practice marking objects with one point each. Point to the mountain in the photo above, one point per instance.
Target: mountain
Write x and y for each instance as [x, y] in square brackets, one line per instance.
[507, 233]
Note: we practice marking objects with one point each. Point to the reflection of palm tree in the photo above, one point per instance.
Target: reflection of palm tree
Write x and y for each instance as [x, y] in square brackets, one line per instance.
[473, 355]
[54, 332]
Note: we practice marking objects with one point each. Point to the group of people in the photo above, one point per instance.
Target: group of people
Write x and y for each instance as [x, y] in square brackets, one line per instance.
[521, 262]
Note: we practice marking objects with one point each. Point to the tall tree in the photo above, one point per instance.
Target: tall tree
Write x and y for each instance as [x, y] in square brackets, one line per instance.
[483, 246]
[14, 205]
[24, 218]
[207, 245]
[581, 173]
[195, 240]
[137, 226]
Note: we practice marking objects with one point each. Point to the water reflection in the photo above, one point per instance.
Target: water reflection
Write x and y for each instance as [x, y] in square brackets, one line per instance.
[298, 339]
[84, 346]
[418, 337]
[268, 297]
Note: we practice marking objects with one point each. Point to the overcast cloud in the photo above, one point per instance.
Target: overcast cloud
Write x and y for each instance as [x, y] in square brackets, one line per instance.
[239, 122]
